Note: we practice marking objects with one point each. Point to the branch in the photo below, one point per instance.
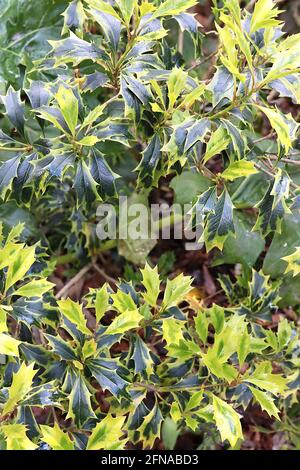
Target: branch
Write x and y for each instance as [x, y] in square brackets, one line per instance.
[73, 281]
[202, 61]
[103, 274]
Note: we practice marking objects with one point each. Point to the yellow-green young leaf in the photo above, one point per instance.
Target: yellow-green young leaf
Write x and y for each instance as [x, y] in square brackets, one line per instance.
[9, 345]
[201, 325]
[3, 325]
[56, 438]
[172, 331]
[48, 117]
[175, 412]
[106, 435]
[73, 312]
[16, 438]
[9, 252]
[101, 302]
[280, 126]
[239, 169]
[243, 347]
[21, 384]
[264, 15]
[219, 141]
[104, 7]
[124, 322]
[235, 9]
[94, 114]
[176, 84]
[217, 317]
[263, 378]
[194, 401]
[15, 232]
[228, 43]
[173, 7]
[293, 262]
[34, 288]
[68, 104]
[176, 290]
[240, 38]
[193, 96]
[284, 333]
[227, 421]
[266, 402]
[226, 343]
[218, 366]
[151, 282]
[122, 301]
[243, 43]
[19, 265]
[89, 348]
[126, 8]
[88, 140]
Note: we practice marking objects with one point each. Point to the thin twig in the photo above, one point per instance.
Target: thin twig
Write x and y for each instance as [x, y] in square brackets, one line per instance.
[268, 136]
[284, 160]
[270, 173]
[103, 274]
[202, 61]
[73, 281]
[250, 5]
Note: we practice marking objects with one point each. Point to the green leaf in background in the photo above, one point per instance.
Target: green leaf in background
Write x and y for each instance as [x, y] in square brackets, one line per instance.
[25, 29]
[170, 433]
[282, 245]
[245, 247]
[188, 185]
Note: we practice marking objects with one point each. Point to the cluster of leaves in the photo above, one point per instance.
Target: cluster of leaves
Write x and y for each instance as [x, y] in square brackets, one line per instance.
[109, 108]
[122, 364]
[113, 90]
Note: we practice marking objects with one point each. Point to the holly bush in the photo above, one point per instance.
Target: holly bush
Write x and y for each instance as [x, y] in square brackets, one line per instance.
[117, 106]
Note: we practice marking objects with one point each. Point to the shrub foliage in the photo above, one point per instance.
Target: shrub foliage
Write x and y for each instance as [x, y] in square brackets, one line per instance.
[127, 365]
